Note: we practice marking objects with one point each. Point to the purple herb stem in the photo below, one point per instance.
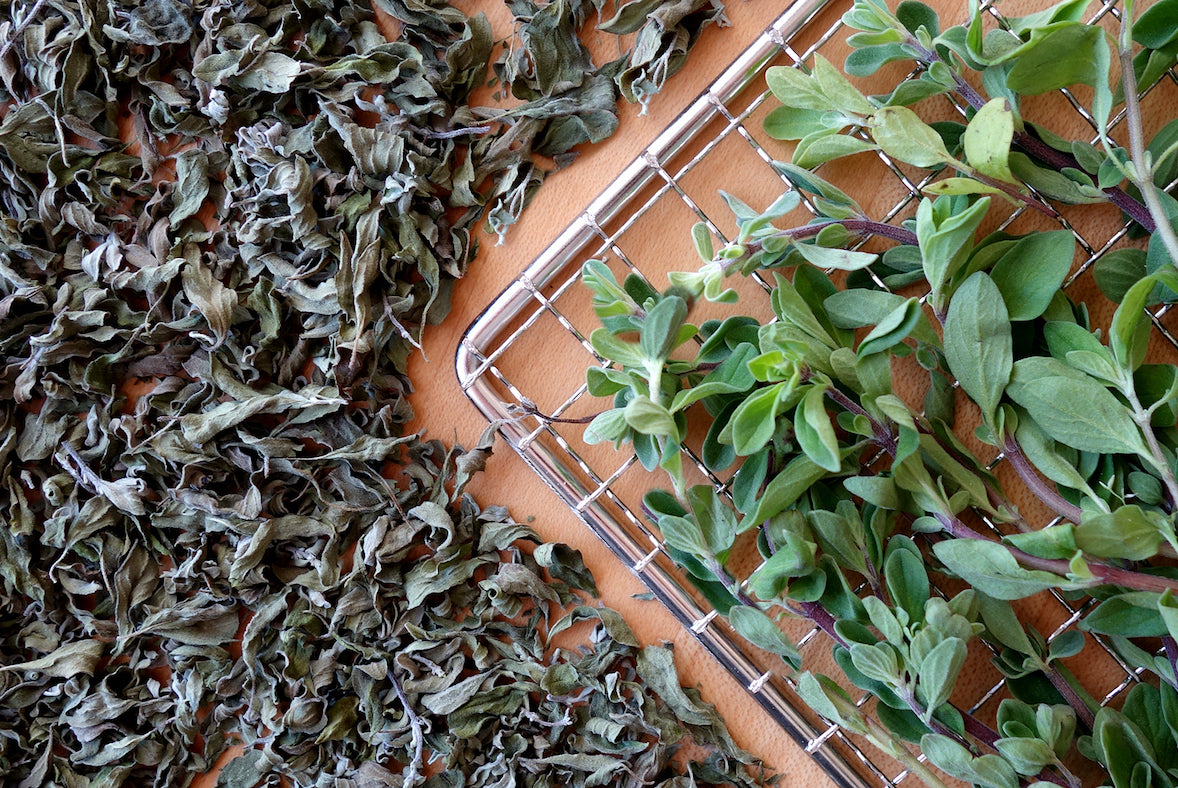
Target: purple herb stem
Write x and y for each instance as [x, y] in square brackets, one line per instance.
[1044, 491]
[1172, 654]
[1104, 574]
[882, 435]
[1063, 685]
[1035, 147]
[861, 226]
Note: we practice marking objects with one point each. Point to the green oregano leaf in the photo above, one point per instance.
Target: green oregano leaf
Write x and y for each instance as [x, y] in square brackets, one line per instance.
[978, 342]
[989, 567]
[759, 629]
[660, 328]
[901, 134]
[1075, 410]
[814, 431]
[1030, 272]
[987, 140]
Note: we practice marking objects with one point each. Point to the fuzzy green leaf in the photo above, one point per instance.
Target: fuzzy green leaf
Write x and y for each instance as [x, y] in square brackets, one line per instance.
[819, 147]
[814, 432]
[989, 567]
[978, 342]
[1158, 24]
[648, 417]
[757, 628]
[755, 420]
[904, 136]
[840, 259]
[793, 88]
[660, 328]
[1129, 532]
[1030, 273]
[784, 490]
[893, 328]
[939, 670]
[987, 140]
[1076, 411]
[1131, 614]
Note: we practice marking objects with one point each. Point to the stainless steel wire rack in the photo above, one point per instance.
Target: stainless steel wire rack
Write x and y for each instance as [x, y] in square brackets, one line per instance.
[529, 351]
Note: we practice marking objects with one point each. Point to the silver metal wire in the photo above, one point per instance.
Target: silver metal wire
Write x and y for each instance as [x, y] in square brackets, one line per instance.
[545, 303]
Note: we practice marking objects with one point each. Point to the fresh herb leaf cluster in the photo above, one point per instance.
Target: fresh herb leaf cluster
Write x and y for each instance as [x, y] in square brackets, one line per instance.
[223, 227]
[862, 504]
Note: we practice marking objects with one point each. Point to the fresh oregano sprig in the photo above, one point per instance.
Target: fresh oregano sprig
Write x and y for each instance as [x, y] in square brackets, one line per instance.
[1002, 153]
[847, 485]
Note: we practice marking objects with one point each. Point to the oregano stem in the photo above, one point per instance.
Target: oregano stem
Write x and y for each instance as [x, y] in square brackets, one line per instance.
[1072, 780]
[1171, 647]
[817, 614]
[1030, 477]
[1143, 417]
[1035, 147]
[413, 771]
[1066, 685]
[15, 34]
[728, 581]
[1139, 171]
[979, 730]
[1104, 574]
[927, 57]
[884, 437]
[936, 726]
[1013, 193]
[860, 226]
[528, 408]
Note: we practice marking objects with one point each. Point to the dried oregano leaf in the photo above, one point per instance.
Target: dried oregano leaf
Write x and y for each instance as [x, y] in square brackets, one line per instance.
[204, 337]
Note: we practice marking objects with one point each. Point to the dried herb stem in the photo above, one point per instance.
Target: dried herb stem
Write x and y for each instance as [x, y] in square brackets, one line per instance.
[413, 770]
[20, 28]
[528, 408]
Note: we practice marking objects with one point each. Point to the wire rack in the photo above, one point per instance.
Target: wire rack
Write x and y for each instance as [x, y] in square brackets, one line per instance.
[642, 224]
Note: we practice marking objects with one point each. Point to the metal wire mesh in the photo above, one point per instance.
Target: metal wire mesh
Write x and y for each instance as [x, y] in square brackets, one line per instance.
[537, 332]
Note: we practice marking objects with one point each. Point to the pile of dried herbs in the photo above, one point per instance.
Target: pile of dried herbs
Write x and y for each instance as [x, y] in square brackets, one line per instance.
[224, 224]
